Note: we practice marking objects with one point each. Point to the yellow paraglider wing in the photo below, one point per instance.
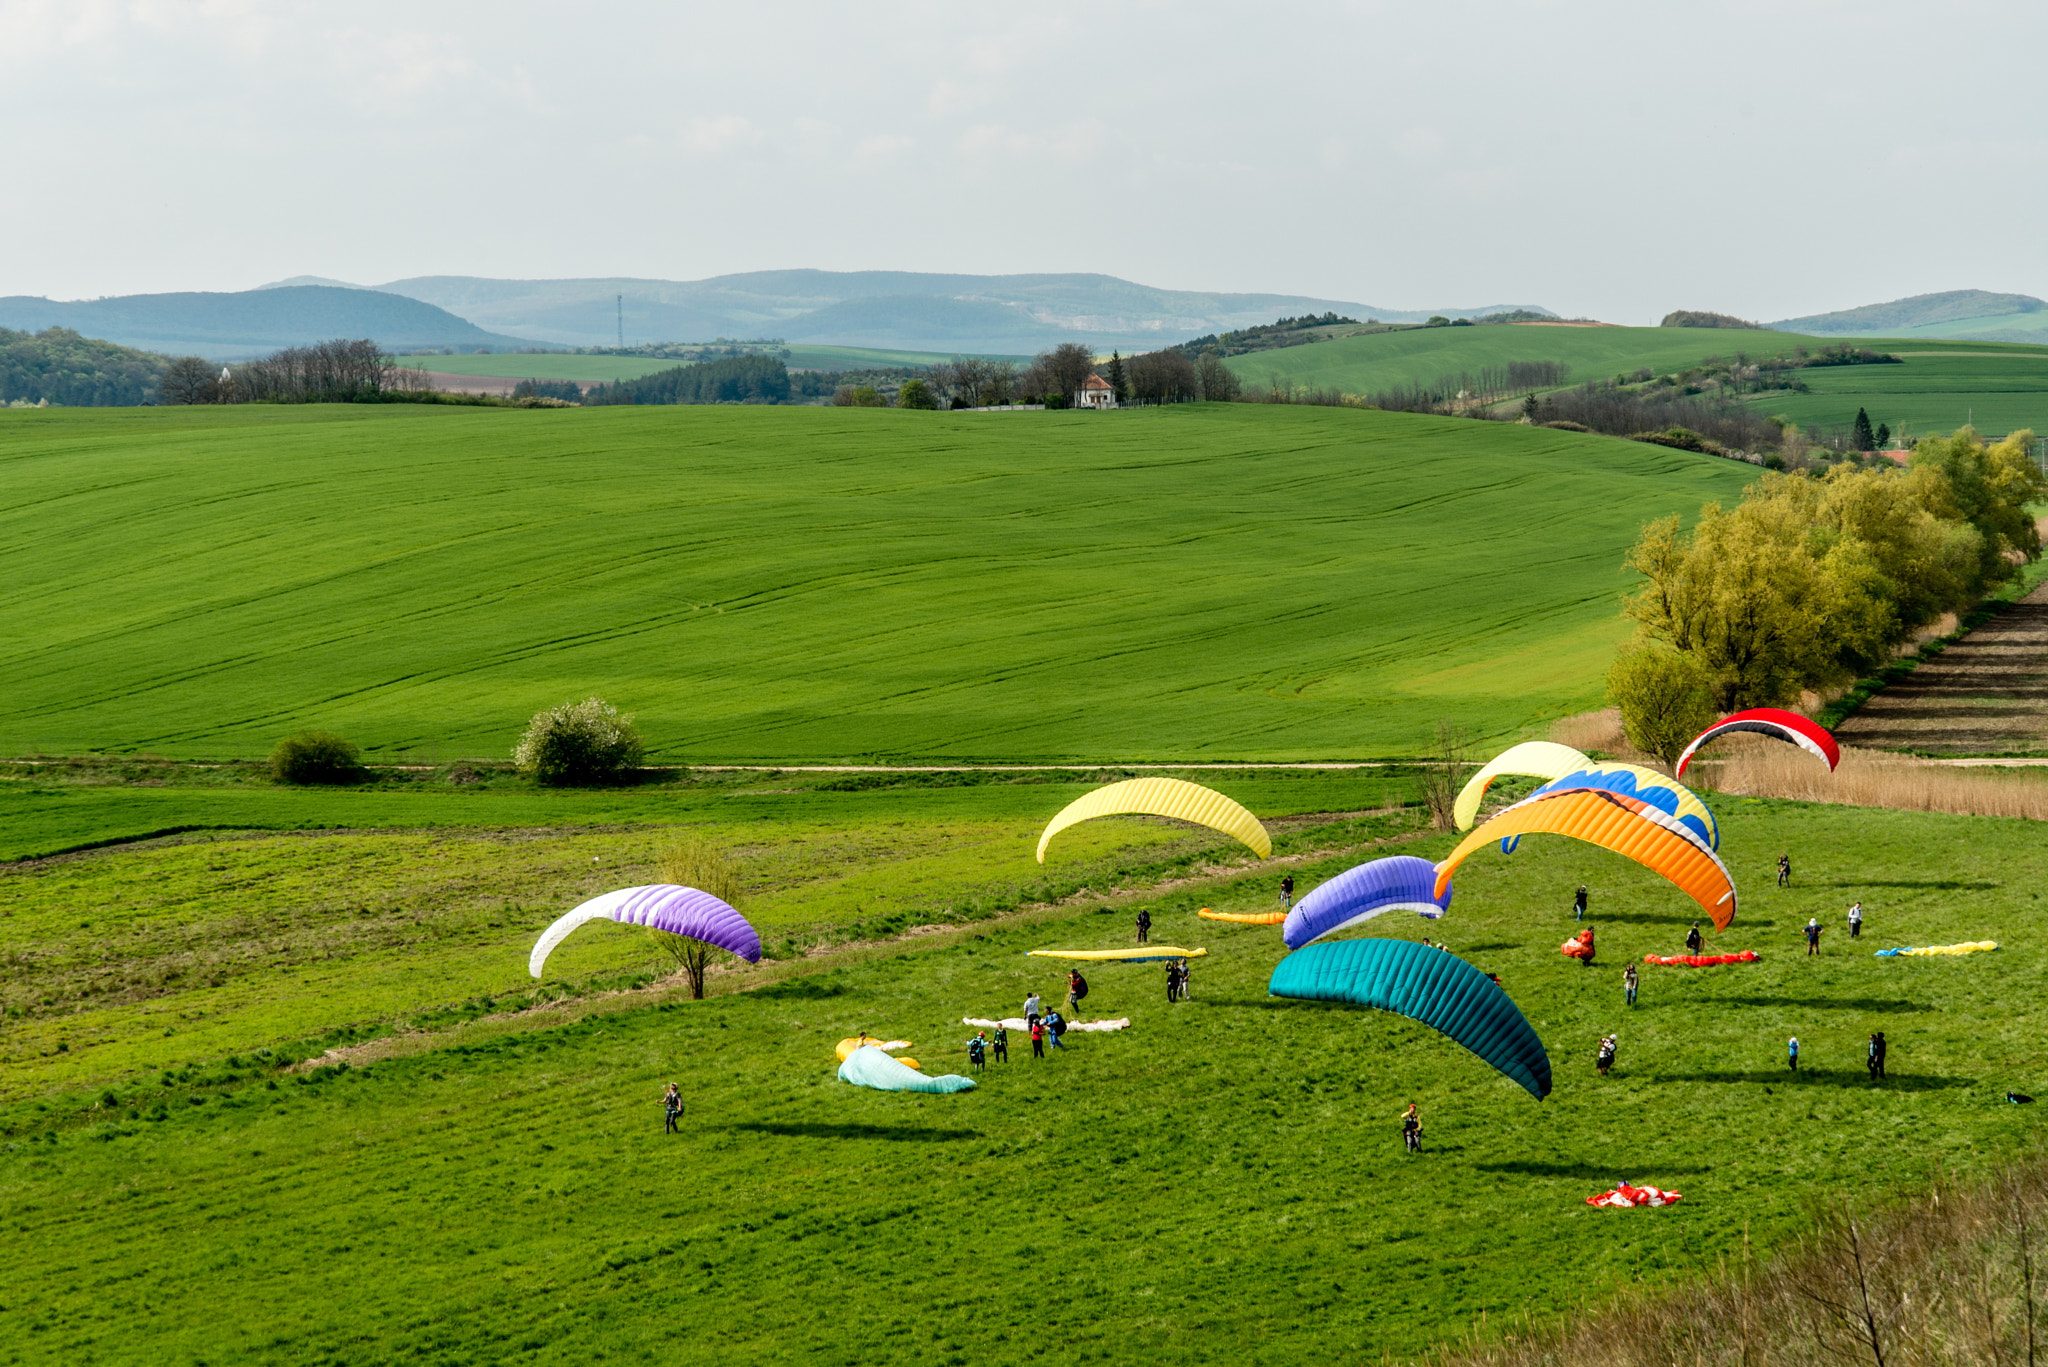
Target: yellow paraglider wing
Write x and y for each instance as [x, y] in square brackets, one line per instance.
[1171, 797]
[1531, 759]
[1143, 954]
[1613, 822]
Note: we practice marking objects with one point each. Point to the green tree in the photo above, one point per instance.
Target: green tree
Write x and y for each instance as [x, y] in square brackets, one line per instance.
[1884, 436]
[1863, 438]
[315, 757]
[700, 864]
[1666, 697]
[916, 394]
[1116, 378]
[1989, 487]
[579, 744]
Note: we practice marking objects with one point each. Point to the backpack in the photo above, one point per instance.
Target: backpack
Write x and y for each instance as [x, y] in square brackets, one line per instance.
[1080, 987]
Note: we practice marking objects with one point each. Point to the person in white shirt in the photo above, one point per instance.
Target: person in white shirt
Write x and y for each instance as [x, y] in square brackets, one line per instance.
[1033, 1008]
[1855, 920]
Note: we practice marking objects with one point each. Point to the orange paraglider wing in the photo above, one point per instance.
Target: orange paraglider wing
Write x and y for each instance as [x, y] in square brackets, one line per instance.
[1621, 824]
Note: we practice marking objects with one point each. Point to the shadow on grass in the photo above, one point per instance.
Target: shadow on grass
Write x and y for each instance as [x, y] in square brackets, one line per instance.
[915, 1134]
[1486, 948]
[1890, 1008]
[1591, 1172]
[1944, 884]
[1822, 1077]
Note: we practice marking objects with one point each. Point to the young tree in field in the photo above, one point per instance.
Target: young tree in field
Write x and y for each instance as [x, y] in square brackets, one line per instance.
[579, 744]
[696, 863]
[1443, 773]
[1861, 437]
[1666, 697]
[185, 381]
[1218, 381]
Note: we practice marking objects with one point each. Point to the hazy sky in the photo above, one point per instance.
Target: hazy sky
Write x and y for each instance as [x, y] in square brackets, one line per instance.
[1613, 160]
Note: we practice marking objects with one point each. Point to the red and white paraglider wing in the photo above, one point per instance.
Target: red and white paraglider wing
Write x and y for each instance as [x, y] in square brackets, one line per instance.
[1776, 723]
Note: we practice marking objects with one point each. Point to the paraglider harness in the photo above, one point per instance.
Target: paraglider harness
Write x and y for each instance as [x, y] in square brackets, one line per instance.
[1077, 986]
[1055, 1026]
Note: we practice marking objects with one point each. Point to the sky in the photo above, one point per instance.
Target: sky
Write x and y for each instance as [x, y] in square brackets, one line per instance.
[1605, 160]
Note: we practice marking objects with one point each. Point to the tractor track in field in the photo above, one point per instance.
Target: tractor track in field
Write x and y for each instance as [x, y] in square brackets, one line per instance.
[1988, 692]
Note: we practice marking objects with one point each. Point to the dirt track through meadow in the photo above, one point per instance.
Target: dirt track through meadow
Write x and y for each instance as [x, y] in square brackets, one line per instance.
[1986, 693]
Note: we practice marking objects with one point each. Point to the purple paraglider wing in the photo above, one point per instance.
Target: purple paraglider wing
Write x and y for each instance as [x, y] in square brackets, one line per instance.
[1399, 883]
[659, 906]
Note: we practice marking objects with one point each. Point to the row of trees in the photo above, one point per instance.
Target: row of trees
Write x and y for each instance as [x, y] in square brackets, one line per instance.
[1809, 583]
[339, 371]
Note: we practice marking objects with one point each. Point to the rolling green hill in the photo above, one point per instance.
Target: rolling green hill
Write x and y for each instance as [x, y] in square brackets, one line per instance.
[1361, 365]
[1975, 314]
[1204, 581]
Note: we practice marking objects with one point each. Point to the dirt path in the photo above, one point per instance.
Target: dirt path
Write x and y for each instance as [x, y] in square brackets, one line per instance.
[1987, 692]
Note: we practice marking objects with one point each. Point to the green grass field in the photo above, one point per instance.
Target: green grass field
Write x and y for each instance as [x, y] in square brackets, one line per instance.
[1199, 582]
[1221, 1183]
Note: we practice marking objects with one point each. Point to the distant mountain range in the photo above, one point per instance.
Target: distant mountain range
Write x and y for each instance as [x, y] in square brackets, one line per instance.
[910, 311]
[1976, 315]
[230, 327]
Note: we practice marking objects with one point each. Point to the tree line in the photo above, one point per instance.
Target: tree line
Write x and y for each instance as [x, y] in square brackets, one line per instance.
[343, 370]
[1811, 582]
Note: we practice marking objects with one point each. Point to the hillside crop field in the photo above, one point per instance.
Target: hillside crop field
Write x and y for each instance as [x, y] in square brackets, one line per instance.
[1363, 365]
[498, 1184]
[1938, 388]
[1197, 582]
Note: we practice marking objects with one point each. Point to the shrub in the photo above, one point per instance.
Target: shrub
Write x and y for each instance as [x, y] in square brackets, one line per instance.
[579, 744]
[1666, 698]
[915, 394]
[315, 757]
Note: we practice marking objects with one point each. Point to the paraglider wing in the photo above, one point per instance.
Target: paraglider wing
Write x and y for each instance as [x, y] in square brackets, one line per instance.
[1532, 759]
[1170, 797]
[1244, 918]
[1628, 827]
[1144, 954]
[660, 906]
[1646, 785]
[1776, 723]
[1424, 984]
[1399, 883]
[870, 1067]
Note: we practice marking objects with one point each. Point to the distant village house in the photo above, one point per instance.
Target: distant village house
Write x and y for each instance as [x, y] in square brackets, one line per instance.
[1095, 392]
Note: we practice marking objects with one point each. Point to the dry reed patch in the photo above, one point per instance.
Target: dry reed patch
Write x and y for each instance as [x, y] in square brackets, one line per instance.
[1754, 767]
[1950, 1275]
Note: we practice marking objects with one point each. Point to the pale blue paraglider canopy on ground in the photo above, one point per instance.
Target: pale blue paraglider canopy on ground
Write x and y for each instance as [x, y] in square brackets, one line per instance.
[870, 1067]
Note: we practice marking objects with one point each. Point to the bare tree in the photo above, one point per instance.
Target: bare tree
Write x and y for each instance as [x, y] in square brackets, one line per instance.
[1062, 369]
[696, 863]
[1219, 382]
[1164, 377]
[185, 381]
[1443, 773]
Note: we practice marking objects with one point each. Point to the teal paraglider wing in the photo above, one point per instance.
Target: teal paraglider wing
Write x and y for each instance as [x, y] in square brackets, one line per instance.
[1433, 986]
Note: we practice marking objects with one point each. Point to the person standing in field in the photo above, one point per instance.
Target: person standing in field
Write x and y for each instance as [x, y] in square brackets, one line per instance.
[1002, 1044]
[977, 1053]
[1037, 1038]
[1077, 988]
[1784, 870]
[1792, 1053]
[1186, 973]
[1877, 1056]
[1813, 930]
[1693, 941]
[1033, 1009]
[1144, 925]
[1287, 892]
[1855, 920]
[1605, 1060]
[1630, 980]
[1579, 903]
[1172, 981]
[1411, 1129]
[672, 1102]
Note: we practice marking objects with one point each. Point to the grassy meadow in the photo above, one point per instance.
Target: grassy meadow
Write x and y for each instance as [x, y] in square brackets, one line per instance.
[1223, 1182]
[1939, 388]
[1194, 583]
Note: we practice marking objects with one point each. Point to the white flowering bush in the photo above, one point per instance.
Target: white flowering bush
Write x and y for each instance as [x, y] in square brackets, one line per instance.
[579, 744]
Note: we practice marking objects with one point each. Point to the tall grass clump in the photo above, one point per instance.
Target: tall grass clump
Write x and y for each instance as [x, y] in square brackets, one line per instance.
[315, 757]
[1870, 778]
[579, 744]
[1949, 1275]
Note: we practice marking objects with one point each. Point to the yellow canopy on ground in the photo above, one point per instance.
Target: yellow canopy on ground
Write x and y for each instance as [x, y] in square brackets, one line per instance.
[1244, 918]
[1170, 797]
[1137, 954]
